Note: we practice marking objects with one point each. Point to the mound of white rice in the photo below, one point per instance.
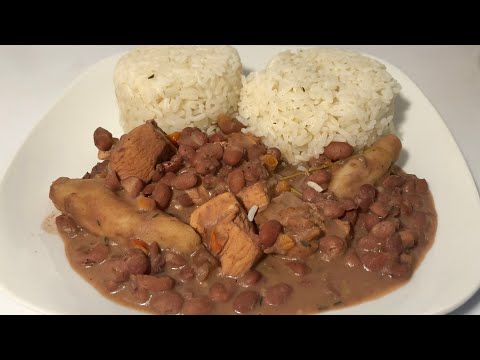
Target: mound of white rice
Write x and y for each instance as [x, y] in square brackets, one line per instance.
[306, 99]
[178, 86]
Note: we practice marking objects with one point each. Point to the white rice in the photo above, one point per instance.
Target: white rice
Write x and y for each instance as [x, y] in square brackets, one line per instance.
[306, 99]
[178, 86]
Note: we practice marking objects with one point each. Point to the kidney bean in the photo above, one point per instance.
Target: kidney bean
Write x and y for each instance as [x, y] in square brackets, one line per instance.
[348, 204]
[169, 302]
[249, 279]
[185, 181]
[236, 181]
[186, 151]
[175, 261]
[194, 138]
[380, 209]
[408, 238]
[162, 194]
[383, 229]
[255, 151]
[136, 262]
[331, 247]
[132, 186]
[154, 283]
[338, 150]
[415, 200]
[245, 301]
[116, 270]
[94, 255]
[148, 190]
[298, 268]
[400, 271]
[168, 179]
[217, 137]
[365, 196]
[158, 173]
[269, 232]
[229, 125]
[393, 181]
[185, 200]
[278, 294]
[275, 152]
[103, 139]
[197, 306]
[157, 260]
[219, 293]
[207, 166]
[112, 181]
[232, 155]
[320, 177]
[368, 220]
[186, 274]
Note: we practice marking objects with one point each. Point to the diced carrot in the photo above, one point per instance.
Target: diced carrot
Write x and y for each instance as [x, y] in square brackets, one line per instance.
[215, 246]
[140, 244]
[173, 137]
[270, 162]
[282, 186]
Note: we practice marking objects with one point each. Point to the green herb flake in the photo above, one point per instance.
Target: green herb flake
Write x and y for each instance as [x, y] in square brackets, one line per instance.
[98, 223]
[151, 76]
[303, 89]
[154, 216]
[260, 302]
[305, 243]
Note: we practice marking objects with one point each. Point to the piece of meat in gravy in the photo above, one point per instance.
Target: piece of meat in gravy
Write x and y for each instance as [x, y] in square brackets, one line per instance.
[227, 233]
[256, 194]
[139, 151]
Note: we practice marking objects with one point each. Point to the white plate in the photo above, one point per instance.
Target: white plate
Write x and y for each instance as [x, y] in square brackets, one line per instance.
[33, 266]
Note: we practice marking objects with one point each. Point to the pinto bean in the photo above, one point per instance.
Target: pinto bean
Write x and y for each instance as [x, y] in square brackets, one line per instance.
[186, 274]
[348, 204]
[380, 209]
[255, 151]
[309, 194]
[148, 190]
[374, 261]
[332, 209]
[351, 216]
[393, 244]
[393, 181]
[157, 260]
[116, 270]
[408, 238]
[369, 243]
[197, 306]
[331, 247]
[175, 261]
[112, 181]
[337, 150]
[103, 139]
[217, 137]
[421, 186]
[158, 173]
[185, 200]
[211, 150]
[409, 186]
[154, 283]
[318, 161]
[384, 229]
[133, 186]
[415, 200]
[365, 196]
[193, 138]
[229, 125]
[232, 155]
[236, 181]
[168, 178]
[269, 232]
[352, 260]
[174, 164]
[275, 152]
[298, 268]
[219, 293]
[207, 166]
[245, 301]
[186, 151]
[249, 279]
[185, 181]
[162, 194]
[169, 302]
[94, 255]
[320, 177]
[136, 262]
[278, 294]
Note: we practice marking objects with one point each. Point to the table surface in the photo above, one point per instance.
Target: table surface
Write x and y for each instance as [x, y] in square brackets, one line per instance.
[33, 77]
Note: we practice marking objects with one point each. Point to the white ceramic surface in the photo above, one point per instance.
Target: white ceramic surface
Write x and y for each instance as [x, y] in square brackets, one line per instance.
[33, 267]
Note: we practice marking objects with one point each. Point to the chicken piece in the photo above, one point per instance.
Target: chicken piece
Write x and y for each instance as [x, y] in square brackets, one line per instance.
[338, 228]
[366, 168]
[101, 212]
[256, 194]
[138, 152]
[227, 233]
[198, 194]
[291, 249]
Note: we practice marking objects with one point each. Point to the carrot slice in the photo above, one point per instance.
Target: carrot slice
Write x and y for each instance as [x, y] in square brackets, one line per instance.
[173, 137]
